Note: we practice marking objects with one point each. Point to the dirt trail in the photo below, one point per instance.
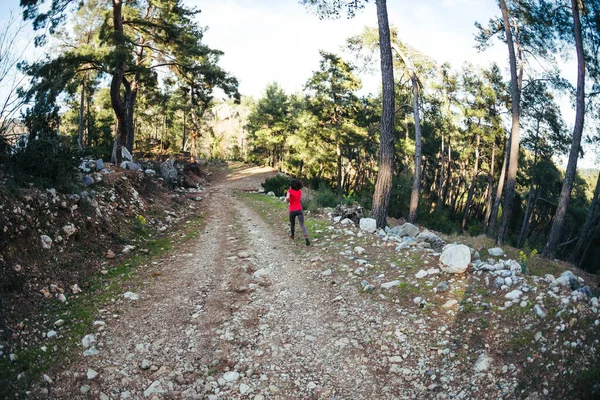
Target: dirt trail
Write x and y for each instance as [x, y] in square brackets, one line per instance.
[240, 315]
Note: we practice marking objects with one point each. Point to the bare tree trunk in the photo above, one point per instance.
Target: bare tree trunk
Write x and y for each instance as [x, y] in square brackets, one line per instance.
[338, 179]
[513, 158]
[588, 222]
[115, 85]
[130, 101]
[88, 129]
[383, 184]
[81, 108]
[414, 195]
[183, 141]
[441, 176]
[196, 129]
[498, 198]
[528, 208]
[447, 192]
[565, 193]
[472, 187]
[490, 189]
[590, 239]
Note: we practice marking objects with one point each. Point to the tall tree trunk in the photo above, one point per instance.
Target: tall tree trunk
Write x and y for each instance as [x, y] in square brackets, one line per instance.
[588, 222]
[131, 99]
[594, 227]
[490, 189]
[383, 183]
[196, 130]
[529, 212]
[513, 158]
[414, 196]
[472, 187]
[498, 198]
[338, 154]
[81, 108]
[441, 176]
[88, 130]
[117, 82]
[565, 193]
[528, 208]
[184, 138]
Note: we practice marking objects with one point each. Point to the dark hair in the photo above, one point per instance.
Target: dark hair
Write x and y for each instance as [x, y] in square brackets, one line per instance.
[296, 184]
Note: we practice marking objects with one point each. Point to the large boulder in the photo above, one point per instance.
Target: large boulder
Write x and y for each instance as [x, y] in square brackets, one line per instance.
[431, 238]
[407, 229]
[168, 171]
[368, 225]
[455, 258]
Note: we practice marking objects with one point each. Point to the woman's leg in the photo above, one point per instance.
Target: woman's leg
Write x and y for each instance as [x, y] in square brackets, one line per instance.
[292, 223]
[301, 220]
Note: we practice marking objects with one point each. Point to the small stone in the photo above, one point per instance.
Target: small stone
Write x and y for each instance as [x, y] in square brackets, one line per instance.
[368, 225]
[88, 340]
[539, 311]
[483, 363]
[91, 374]
[46, 242]
[359, 250]
[110, 254]
[311, 386]
[61, 297]
[91, 352]
[496, 252]
[145, 364]
[499, 282]
[450, 303]
[390, 284]
[417, 300]
[244, 388]
[514, 295]
[442, 287]
[84, 389]
[154, 388]
[421, 274]
[51, 334]
[48, 379]
[231, 376]
[131, 296]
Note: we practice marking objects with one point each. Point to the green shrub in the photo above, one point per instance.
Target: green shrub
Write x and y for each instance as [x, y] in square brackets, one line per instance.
[277, 184]
[47, 162]
[325, 197]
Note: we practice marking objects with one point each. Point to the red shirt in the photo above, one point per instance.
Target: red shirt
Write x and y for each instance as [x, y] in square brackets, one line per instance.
[295, 196]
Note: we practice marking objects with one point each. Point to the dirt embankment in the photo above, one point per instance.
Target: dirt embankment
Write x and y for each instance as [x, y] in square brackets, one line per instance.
[51, 243]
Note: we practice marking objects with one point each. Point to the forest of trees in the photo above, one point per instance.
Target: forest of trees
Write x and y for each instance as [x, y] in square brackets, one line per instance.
[464, 149]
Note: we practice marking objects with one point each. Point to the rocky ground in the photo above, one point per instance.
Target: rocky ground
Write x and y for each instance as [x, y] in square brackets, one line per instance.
[241, 311]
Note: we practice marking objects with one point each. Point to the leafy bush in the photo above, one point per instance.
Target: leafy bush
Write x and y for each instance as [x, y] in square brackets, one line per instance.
[47, 162]
[439, 220]
[277, 184]
[325, 197]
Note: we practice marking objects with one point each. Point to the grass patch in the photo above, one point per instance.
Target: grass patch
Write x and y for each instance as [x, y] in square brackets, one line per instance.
[274, 211]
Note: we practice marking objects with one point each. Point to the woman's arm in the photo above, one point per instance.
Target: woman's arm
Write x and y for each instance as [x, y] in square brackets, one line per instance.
[287, 196]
